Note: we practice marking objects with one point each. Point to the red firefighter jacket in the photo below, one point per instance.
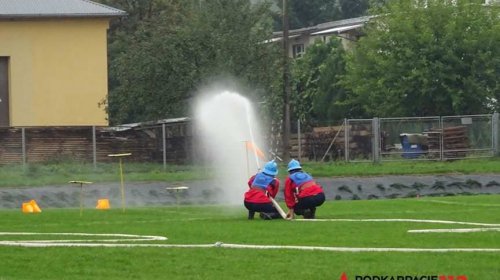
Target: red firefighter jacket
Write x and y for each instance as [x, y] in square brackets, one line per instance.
[258, 195]
[307, 189]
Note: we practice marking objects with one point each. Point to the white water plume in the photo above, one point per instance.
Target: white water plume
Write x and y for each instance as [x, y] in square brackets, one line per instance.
[228, 132]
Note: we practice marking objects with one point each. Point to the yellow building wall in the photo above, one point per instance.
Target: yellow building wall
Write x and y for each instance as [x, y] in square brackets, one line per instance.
[58, 71]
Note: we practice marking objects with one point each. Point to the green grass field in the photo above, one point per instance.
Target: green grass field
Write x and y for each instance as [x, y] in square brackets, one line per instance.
[209, 224]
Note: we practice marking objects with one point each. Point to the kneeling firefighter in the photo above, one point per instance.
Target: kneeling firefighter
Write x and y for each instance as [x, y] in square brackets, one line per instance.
[261, 186]
[302, 193]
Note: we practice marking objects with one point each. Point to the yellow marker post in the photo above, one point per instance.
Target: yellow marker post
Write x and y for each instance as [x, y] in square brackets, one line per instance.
[81, 192]
[176, 190]
[119, 156]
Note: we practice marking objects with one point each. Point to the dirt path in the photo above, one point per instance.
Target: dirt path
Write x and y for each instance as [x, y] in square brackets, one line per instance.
[203, 192]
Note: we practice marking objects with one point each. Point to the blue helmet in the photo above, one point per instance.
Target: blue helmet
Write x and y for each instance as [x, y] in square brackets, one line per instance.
[294, 164]
[271, 168]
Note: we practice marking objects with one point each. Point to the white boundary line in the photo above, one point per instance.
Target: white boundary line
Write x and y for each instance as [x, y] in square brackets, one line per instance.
[486, 227]
[354, 249]
[114, 245]
[250, 246]
[459, 230]
[400, 220]
[459, 203]
[130, 237]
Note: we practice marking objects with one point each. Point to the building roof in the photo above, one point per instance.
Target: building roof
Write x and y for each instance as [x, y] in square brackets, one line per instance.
[338, 29]
[157, 123]
[12, 9]
[327, 28]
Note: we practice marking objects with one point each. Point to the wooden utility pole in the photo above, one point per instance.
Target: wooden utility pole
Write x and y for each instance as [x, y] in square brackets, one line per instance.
[286, 86]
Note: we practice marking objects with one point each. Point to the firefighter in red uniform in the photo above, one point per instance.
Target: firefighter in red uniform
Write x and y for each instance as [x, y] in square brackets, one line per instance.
[302, 193]
[261, 186]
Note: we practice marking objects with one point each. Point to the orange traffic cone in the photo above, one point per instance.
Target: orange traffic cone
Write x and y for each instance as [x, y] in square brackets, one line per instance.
[102, 204]
[31, 207]
[36, 209]
[27, 208]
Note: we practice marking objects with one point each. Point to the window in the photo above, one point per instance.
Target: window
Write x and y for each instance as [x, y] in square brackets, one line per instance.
[4, 91]
[298, 50]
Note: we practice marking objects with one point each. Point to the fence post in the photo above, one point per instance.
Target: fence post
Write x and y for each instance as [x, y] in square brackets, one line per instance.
[376, 140]
[441, 140]
[23, 145]
[94, 147]
[494, 133]
[346, 140]
[194, 144]
[298, 138]
[163, 140]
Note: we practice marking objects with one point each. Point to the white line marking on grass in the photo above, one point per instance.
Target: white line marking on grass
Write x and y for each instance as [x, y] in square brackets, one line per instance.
[354, 249]
[32, 243]
[121, 237]
[249, 246]
[459, 203]
[399, 220]
[459, 230]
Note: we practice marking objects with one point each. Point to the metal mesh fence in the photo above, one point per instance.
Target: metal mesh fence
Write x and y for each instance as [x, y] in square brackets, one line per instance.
[386, 139]
[396, 139]
[410, 138]
[467, 136]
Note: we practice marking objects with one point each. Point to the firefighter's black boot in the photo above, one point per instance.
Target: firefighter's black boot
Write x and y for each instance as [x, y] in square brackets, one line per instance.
[251, 214]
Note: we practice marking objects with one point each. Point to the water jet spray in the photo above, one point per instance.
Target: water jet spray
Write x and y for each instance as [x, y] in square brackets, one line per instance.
[229, 132]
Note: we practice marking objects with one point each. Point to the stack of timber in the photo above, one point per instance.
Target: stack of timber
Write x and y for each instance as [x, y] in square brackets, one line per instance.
[320, 138]
[330, 140]
[146, 143]
[455, 141]
[294, 147]
[433, 143]
[141, 144]
[55, 144]
[11, 146]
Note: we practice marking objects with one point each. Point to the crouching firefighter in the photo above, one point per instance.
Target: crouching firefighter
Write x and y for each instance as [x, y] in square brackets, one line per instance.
[302, 193]
[262, 186]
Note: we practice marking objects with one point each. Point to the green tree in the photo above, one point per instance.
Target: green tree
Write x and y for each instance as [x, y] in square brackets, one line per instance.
[190, 43]
[141, 14]
[351, 9]
[319, 95]
[312, 12]
[309, 13]
[138, 10]
[423, 58]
